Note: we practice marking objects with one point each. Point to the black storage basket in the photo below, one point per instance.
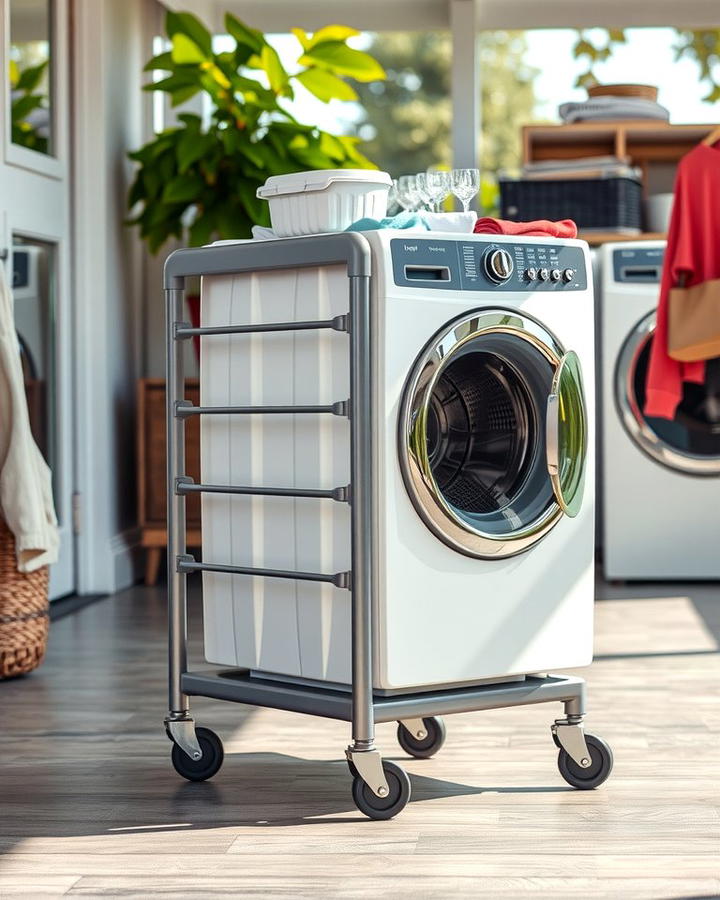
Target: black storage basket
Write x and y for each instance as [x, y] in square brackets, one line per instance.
[601, 203]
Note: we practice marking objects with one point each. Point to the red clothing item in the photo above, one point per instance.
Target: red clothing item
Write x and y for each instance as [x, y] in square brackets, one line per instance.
[693, 250]
[540, 228]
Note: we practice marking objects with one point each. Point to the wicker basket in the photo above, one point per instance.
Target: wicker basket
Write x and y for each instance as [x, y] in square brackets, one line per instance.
[24, 612]
[645, 91]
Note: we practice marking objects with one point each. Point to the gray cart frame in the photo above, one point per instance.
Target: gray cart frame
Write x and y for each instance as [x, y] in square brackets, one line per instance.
[361, 707]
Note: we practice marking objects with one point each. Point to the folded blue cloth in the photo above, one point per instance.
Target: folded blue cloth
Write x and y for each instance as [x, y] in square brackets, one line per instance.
[401, 220]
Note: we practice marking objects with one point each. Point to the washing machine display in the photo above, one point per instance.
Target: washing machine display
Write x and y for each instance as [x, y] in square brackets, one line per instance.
[493, 433]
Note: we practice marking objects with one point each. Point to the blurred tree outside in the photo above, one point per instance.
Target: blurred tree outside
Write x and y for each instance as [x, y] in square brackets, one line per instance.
[407, 118]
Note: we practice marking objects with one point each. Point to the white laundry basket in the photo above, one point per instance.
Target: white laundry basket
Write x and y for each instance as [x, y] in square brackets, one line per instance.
[324, 200]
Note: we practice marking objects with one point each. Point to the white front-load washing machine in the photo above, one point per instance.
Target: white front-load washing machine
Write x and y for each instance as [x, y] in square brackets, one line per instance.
[483, 463]
[660, 478]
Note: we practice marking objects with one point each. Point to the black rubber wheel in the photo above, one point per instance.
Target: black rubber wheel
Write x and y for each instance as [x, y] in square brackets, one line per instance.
[375, 807]
[429, 745]
[601, 763]
[208, 765]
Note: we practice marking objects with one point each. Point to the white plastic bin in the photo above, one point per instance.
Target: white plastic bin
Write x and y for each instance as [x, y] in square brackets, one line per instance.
[324, 200]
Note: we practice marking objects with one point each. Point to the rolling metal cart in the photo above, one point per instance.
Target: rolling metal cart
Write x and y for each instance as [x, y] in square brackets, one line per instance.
[380, 788]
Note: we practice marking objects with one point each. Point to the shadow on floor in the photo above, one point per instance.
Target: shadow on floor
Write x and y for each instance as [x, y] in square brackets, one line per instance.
[135, 796]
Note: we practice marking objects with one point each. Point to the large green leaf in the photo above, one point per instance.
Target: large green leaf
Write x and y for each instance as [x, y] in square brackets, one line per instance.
[183, 189]
[30, 78]
[163, 61]
[277, 76]
[302, 37]
[189, 25]
[326, 86]
[190, 148]
[185, 51]
[25, 105]
[332, 33]
[242, 34]
[340, 58]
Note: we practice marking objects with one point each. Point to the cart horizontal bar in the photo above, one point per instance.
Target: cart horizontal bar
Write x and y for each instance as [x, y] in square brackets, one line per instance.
[340, 494]
[339, 579]
[182, 331]
[347, 247]
[184, 408]
[239, 686]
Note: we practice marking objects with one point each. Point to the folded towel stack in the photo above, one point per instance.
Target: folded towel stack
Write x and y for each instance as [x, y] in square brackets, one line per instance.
[608, 108]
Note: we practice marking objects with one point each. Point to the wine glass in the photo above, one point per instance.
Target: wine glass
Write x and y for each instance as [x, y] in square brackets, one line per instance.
[423, 189]
[407, 192]
[438, 182]
[465, 183]
[392, 200]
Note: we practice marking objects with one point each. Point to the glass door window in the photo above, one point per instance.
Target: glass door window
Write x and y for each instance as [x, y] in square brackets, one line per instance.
[33, 287]
[30, 75]
[493, 434]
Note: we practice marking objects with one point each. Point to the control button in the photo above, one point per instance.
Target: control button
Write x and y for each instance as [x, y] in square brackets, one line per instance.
[499, 265]
[568, 274]
[555, 275]
[544, 274]
[530, 274]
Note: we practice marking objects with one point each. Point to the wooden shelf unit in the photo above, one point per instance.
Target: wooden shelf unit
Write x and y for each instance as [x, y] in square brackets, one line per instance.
[654, 147]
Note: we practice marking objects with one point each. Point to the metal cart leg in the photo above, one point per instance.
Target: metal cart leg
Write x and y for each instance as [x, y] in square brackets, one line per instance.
[179, 724]
[380, 789]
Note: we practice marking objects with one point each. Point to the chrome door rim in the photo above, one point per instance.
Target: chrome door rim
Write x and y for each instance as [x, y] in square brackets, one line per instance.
[420, 483]
[631, 415]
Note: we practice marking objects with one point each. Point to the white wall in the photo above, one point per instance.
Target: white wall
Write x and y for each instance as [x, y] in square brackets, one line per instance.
[111, 44]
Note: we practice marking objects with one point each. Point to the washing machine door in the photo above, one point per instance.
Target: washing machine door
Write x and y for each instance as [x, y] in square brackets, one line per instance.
[493, 433]
[690, 442]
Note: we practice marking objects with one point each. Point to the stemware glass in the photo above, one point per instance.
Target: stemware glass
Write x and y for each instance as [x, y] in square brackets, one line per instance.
[438, 182]
[465, 183]
[407, 193]
[423, 189]
[392, 200]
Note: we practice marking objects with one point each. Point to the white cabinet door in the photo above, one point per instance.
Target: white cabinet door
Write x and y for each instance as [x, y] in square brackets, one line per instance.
[35, 234]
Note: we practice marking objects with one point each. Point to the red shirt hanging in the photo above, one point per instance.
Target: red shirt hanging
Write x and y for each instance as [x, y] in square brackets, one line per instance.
[693, 248]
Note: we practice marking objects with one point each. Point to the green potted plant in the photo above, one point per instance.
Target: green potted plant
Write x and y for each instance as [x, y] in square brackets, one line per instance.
[198, 180]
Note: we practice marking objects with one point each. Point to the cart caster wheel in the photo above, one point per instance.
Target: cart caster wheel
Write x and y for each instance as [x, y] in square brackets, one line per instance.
[375, 807]
[601, 763]
[425, 747]
[208, 765]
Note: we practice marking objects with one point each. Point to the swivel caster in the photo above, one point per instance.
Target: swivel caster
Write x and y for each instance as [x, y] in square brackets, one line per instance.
[421, 738]
[375, 807]
[210, 761]
[601, 763]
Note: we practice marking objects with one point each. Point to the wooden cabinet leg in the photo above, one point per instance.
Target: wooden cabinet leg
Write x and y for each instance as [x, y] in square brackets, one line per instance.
[153, 556]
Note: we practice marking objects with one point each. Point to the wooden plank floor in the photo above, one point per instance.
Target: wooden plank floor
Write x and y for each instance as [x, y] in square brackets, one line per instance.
[90, 806]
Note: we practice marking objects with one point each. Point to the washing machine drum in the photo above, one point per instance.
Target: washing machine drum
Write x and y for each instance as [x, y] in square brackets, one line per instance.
[688, 443]
[493, 434]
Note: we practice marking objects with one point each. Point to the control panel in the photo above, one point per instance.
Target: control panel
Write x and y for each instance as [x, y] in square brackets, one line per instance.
[638, 265]
[486, 265]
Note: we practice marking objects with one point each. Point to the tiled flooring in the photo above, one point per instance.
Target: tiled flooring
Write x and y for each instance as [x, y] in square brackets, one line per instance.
[90, 805]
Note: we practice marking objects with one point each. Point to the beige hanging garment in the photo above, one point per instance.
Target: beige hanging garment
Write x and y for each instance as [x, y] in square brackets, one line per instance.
[694, 322]
[26, 502]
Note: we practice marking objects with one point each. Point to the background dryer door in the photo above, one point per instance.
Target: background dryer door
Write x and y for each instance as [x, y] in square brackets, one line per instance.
[690, 442]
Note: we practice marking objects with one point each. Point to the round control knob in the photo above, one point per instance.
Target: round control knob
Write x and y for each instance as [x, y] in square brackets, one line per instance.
[498, 265]
[530, 274]
[544, 274]
[568, 274]
[555, 275]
